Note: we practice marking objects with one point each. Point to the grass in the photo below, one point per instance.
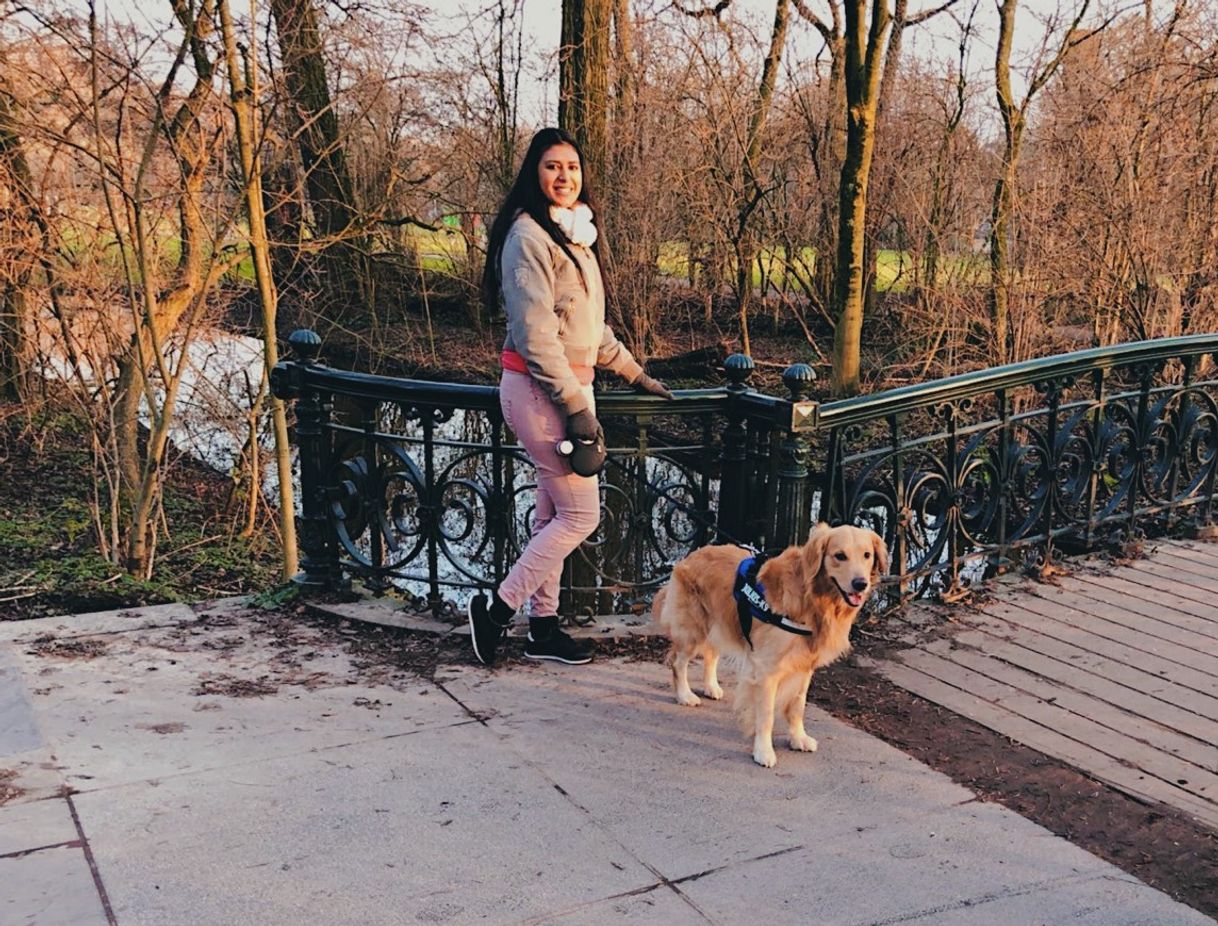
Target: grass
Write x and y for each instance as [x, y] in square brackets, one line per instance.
[49, 557]
[443, 252]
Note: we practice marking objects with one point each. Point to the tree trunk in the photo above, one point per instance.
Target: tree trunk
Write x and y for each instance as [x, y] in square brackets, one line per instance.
[753, 192]
[835, 153]
[1014, 119]
[14, 308]
[583, 78]
[244, 98]
[506, 96]
[346, 271]
[863, 67]
[1004, 187]
[624, 79]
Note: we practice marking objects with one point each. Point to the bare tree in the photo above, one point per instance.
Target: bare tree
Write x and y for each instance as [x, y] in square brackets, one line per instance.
[314, 122]
[584, 63]
[244, 91]
[1014, 120]
[18, 214]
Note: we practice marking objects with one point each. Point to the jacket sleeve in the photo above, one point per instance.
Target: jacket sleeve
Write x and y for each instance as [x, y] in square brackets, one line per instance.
[613, 355]
[528, 301]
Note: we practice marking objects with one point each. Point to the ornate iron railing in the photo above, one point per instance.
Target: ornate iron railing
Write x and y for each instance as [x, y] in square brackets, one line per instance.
[420, 485]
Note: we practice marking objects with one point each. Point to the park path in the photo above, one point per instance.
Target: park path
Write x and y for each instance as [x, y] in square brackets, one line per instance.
[215, 765]
[1114, 671]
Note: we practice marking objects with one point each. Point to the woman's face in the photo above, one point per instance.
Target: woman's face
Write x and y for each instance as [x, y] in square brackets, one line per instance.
[559, 175]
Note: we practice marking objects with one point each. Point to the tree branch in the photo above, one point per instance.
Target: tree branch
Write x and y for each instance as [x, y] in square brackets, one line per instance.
[919, 18]
[705, 11]
[808, 16]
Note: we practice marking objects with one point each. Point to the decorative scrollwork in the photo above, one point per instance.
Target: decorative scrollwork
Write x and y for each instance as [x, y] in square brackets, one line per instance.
[438, 499]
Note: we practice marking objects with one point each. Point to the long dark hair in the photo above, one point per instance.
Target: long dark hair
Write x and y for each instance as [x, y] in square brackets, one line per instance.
[526, 196]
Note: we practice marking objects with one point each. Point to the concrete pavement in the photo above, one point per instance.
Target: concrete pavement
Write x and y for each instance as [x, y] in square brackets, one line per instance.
[171, 766]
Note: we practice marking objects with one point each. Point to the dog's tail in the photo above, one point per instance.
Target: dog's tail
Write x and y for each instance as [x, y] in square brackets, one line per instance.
[657, 610]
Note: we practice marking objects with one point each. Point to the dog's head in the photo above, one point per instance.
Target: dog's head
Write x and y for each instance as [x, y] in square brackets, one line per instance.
[839, 564]
[850, 559]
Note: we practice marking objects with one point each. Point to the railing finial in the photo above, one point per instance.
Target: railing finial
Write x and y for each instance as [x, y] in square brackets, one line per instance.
[738, 368]
[798, 378]
[305, 344]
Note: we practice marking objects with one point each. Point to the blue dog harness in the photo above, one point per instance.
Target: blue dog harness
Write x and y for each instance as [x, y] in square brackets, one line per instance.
[751, 604]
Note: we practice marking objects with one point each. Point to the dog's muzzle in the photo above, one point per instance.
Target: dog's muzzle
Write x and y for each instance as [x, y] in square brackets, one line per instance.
[854, 597]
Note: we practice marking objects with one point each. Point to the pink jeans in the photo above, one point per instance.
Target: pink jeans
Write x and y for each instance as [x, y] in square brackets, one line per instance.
[568, 506]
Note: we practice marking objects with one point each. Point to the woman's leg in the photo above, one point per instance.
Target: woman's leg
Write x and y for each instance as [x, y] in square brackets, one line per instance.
[539, 426]
[545, 599]
[566, 512]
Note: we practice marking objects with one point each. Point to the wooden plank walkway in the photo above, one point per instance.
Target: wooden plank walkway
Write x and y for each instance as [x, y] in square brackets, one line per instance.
[1115, 673]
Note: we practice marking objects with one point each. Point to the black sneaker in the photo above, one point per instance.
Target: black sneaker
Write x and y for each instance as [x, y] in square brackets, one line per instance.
[484, 632]
[557, 646]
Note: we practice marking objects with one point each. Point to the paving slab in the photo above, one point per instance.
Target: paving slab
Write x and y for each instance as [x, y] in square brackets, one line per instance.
[1100, 901]
[960, 864]
[32, 825]
[122, 620]
[659, 904]
[172, 699]
[679, 783]
[53, 887]
[370, 833]
[26, 760]
[347, 792]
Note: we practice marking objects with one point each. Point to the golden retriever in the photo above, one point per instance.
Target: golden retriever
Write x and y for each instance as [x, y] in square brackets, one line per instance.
[820, 585]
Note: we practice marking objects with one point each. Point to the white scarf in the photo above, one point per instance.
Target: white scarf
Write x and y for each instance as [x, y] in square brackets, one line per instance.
[576, 223]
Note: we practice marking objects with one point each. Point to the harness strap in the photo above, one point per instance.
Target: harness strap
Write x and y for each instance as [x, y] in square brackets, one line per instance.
[751, 602]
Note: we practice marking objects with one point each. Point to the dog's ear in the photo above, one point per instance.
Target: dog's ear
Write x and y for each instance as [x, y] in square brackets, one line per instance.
[881, 554]
[814, 550]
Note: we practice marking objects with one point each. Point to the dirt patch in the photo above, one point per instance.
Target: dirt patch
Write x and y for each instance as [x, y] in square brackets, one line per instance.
[232, 687]
[76, 648]
[162, 728]
[8, 790]
[1159, 845]
[50, 562]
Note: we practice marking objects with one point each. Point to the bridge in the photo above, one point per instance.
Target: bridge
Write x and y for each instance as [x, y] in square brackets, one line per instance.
[1111, 670]
[975, 482]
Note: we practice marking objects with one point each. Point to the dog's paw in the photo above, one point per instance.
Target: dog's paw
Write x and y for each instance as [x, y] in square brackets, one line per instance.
[688, 699]
[765, 756]
[714, 692]
[803, 743]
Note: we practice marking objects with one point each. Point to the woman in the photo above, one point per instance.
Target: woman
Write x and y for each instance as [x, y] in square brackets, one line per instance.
[543, 261]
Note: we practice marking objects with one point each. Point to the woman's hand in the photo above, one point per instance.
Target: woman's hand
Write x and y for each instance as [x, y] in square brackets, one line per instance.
[583, 426]
[652, 386]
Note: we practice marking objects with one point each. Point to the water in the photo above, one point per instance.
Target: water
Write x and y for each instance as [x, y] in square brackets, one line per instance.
[219, 383]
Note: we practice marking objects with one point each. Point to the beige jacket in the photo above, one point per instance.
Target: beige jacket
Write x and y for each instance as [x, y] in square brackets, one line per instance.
[554, 320]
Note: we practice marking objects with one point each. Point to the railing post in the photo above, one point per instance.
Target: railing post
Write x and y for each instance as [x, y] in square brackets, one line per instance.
[791, 508]
[319, 564]
[733, 479]
[1142, 452]
[1052, 389]
[1179, 427]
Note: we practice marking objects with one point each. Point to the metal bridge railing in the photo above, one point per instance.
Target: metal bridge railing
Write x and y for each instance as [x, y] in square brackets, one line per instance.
[421, 486]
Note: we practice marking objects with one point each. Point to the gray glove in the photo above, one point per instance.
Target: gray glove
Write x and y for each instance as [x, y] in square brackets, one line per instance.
[651, 385]
[583, 425]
